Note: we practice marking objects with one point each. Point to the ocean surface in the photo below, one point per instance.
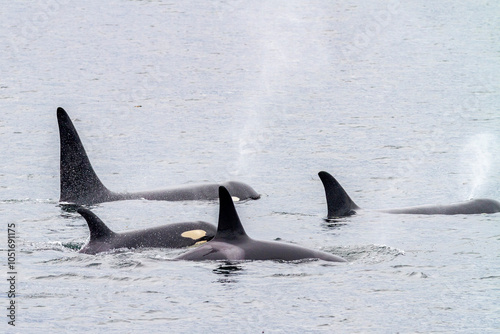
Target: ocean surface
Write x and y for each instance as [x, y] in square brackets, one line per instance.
[398, 100]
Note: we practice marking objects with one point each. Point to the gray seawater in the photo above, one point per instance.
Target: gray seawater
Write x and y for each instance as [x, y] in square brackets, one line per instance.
[398, 100]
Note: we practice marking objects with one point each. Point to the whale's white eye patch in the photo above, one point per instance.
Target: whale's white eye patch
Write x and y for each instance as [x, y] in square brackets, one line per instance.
[194, 234]
[235, 199]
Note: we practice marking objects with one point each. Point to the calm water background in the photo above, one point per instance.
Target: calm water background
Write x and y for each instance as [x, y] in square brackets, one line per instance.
[398, 100]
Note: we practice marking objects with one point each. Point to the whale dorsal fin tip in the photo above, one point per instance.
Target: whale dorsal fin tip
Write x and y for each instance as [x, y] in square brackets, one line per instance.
[229, 225]
[98, 230]
[79, 183]
[338, 201]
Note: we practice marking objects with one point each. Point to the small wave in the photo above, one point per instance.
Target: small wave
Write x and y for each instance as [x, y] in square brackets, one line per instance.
[369, 254]
[45, 295]
[65, 276]
[127, 263]
[292, 275]
[280, 213]
[334, 223]
[50, 246]
[228, 269]
[29, 200]
[418, 274]
[73, 245]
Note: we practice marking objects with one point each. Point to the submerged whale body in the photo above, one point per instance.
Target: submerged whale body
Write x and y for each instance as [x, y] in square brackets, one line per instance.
[232, 243]
[177, 235]
[81, 185]
[340, 204]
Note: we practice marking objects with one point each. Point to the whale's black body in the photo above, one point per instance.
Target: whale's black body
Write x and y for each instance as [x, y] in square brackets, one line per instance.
[232, 243]
[340, 204]
[177, 235]
[81, 185]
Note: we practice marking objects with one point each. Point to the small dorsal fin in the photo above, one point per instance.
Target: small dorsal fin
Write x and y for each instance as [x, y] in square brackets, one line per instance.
[339, 203]
[79, 182]
[229, 226]
[98, 229]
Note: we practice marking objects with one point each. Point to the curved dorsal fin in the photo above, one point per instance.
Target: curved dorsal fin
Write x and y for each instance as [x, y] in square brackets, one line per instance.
[98, 229]
[79, 182]
[339, 203]
[229, 226]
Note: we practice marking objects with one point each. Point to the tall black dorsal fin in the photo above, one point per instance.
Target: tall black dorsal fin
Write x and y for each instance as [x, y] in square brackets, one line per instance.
[339, 203]
[79, 183]
[98, 229]
[229, 226]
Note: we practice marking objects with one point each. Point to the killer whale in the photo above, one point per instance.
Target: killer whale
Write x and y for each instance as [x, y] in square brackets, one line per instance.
[232, 243]
[79, 184]
[340, 204]
[177, 235]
